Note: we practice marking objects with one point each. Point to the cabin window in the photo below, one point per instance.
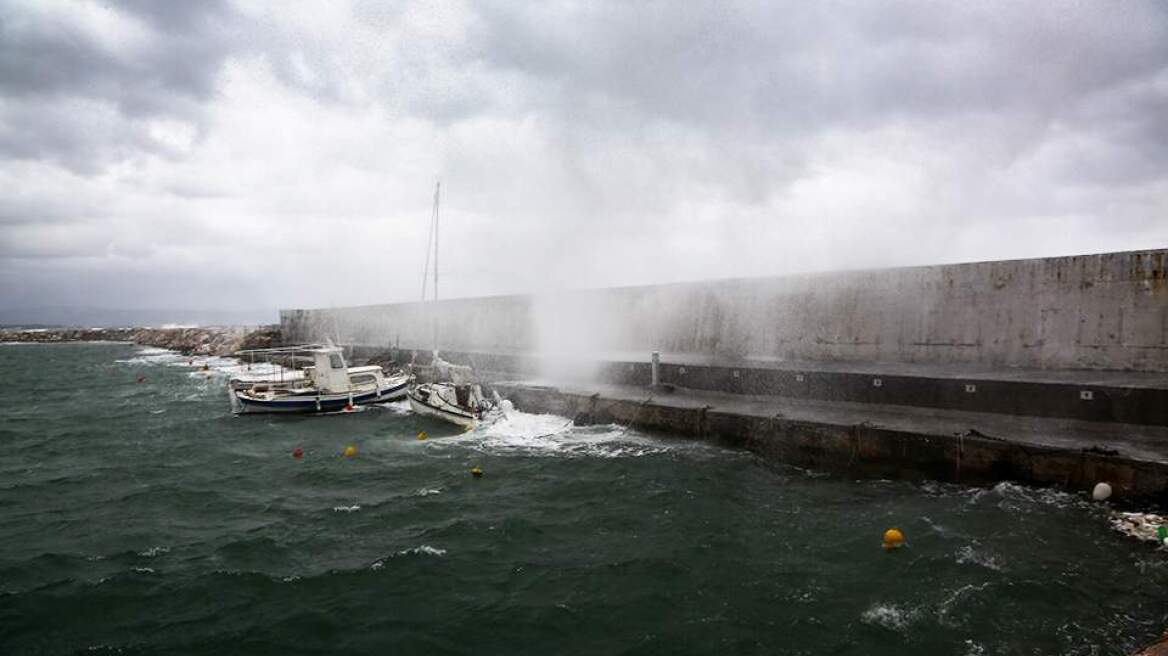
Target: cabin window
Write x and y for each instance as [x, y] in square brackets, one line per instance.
[336, 361]
[362, 379]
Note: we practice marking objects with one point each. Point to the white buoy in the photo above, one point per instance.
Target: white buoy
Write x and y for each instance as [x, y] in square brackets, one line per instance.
[1101, 492]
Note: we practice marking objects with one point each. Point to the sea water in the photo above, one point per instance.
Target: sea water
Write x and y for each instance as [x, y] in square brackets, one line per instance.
[143, 518]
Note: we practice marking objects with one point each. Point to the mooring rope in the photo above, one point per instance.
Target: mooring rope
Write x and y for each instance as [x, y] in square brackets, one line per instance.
[636, 415]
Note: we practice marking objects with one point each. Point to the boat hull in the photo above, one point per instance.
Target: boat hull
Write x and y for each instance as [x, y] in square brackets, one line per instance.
[452, 415]
[243, 403]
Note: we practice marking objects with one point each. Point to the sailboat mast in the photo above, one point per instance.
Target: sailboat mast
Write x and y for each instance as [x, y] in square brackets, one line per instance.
[437, 190]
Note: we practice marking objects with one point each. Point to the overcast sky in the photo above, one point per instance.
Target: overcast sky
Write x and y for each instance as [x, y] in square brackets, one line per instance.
[214, 154]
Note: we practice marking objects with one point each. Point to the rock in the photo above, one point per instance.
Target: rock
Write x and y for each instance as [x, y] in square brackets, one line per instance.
[201, 341]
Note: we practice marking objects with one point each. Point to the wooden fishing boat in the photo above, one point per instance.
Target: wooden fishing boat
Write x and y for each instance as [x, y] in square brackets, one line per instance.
[326, 386]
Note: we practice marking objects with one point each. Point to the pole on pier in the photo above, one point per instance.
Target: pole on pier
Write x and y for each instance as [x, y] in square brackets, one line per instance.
[655, 368]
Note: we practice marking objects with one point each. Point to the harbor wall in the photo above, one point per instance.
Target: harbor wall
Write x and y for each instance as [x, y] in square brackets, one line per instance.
[1103, 311]
[864, 449]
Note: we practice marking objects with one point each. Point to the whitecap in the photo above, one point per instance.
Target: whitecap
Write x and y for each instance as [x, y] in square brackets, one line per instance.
[889, 616]
[427, 491]
[553, 435]
[946, 607]
[425, 549]
[973, 648]
[968, 555]
[396, 407]
[154, 551]
[347, 509]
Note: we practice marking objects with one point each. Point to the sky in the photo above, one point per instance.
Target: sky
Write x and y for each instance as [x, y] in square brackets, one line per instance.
[237, 156]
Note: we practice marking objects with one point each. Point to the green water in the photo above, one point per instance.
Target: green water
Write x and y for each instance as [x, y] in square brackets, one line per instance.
[142, 518]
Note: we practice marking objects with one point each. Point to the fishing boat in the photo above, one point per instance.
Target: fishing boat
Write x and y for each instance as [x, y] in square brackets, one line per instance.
[328, 385]
[463, 405]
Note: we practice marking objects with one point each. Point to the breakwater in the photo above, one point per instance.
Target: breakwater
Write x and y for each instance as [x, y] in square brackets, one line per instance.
[189, 341]
[1049, 371]
[881, 441]
[1104, 312]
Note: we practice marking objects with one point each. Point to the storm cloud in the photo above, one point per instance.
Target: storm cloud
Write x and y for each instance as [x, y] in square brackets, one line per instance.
[248, 155]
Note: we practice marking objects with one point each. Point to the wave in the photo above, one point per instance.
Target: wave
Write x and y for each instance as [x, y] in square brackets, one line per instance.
[968, 555]
[890, 616]
[553, 435]
[423, 550]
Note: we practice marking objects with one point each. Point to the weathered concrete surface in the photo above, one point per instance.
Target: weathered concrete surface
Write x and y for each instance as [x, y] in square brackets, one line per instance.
[1132, 397]
[883, 441]
[1107, 311]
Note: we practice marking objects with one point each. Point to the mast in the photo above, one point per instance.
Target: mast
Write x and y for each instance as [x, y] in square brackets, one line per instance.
[432, 247]
[437, 189]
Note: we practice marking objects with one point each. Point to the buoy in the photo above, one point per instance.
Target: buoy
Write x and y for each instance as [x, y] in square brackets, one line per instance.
[298, 453]
[893, 538]
[476, 472]
[350, 451]
[348, 407]
[1101, 492]
[141, 379]
[421, 436]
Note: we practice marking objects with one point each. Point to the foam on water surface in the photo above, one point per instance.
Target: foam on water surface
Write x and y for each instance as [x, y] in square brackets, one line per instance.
[553, 435]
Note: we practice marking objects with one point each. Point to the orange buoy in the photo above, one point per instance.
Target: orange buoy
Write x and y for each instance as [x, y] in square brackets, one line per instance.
[893, 538]
[298, 453]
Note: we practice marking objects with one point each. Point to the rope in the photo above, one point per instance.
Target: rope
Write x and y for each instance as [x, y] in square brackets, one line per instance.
[636, 415]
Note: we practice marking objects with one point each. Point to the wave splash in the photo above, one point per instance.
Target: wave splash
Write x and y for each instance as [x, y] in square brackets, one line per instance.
[553, 435]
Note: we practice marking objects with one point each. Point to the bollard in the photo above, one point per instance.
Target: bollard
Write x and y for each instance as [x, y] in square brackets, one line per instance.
[656, 368]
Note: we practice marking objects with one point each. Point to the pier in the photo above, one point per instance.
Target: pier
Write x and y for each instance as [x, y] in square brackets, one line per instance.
[1047, 371]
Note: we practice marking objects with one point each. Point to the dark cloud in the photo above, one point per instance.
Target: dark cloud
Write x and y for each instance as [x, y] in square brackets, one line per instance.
[591, 143]
[78, 89]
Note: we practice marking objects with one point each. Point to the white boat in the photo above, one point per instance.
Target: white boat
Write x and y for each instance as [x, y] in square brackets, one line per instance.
[326, 386]
[458, 404]
[454, 396]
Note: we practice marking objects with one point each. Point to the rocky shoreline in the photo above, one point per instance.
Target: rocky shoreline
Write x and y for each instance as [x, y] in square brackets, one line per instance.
[188, 341]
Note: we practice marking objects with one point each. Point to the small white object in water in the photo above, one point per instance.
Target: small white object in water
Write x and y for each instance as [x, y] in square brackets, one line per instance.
[506, 406]
[1102, 492]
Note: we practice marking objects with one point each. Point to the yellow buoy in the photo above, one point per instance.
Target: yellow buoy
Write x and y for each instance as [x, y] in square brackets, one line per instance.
[476, 472]
[893, 538]
[421, 436]
[350, 451]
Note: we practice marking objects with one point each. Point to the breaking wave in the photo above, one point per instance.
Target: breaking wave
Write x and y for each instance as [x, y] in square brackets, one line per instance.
[889, 616]
[552, 435]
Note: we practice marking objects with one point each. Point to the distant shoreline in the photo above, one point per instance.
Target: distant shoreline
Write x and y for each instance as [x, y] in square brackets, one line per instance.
[218, 340]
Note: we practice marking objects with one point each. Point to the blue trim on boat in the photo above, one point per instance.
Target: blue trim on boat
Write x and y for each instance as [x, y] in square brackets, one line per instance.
[328, 403]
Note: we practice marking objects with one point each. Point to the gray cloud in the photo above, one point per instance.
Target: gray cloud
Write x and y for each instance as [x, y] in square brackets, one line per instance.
[77, 91]
[579, 143]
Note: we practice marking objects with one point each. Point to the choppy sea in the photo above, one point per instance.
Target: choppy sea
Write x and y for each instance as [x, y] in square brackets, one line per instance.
[137, 516]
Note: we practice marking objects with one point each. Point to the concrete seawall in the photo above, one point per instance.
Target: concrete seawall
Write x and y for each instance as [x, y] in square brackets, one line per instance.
[1106, 311]
[1051, 371]
[891, 442]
